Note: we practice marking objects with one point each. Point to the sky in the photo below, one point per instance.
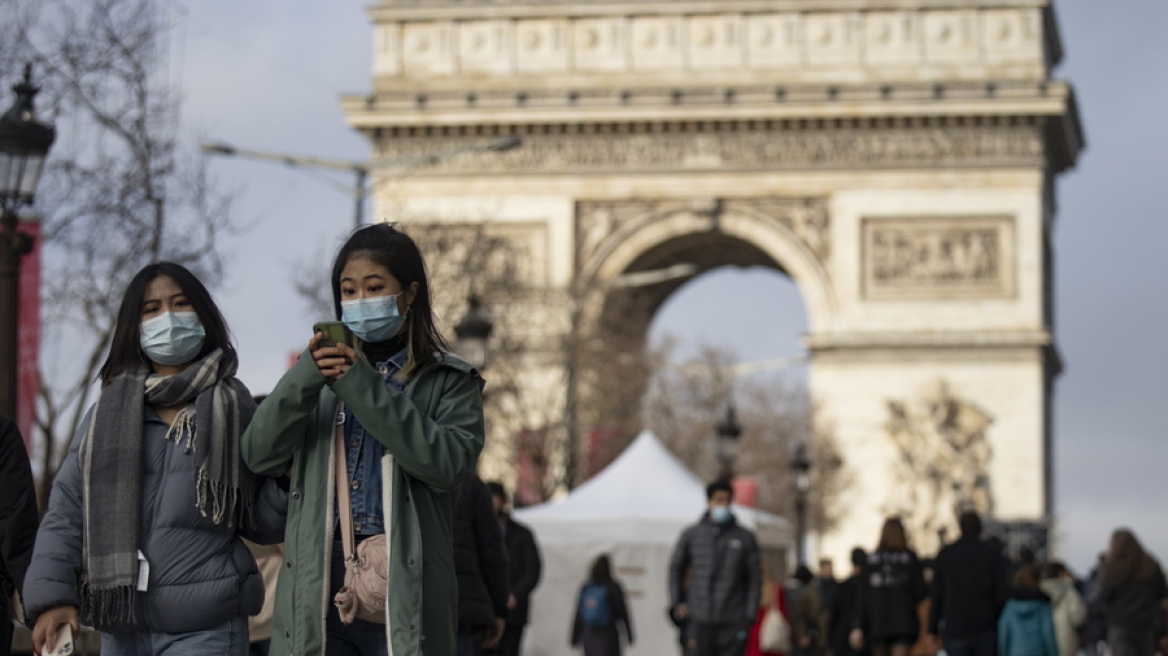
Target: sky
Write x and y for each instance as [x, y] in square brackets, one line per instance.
[268, 75]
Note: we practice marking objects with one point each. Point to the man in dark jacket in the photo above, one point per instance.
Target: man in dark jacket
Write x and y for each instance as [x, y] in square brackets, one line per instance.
[18, 522]
[525, 566]
[843, 608]
[722, 600]
[480, 560]
[968, 593]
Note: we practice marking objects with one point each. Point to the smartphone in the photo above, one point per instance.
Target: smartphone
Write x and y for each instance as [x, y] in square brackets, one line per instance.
[335, 332]
[63, 641]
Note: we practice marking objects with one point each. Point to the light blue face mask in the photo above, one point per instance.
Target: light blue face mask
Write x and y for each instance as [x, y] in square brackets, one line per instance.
[173, 337]
[373, 319]
[720, 514]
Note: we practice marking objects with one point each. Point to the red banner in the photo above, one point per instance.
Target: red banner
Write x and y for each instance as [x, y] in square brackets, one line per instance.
[745, 491]
[28, 332]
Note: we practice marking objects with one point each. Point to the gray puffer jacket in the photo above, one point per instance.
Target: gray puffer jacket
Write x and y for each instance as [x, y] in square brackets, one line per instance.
[725, 576]
[201, 574]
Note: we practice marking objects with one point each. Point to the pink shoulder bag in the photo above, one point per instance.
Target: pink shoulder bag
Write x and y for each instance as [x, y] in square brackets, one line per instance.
[366, 569]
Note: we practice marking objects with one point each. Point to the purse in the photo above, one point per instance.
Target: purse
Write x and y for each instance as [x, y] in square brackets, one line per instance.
[367, 568]
[774, 635]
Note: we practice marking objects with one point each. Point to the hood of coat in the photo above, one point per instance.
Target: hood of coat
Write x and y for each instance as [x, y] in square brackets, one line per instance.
[1027, 602]
[1056, 589]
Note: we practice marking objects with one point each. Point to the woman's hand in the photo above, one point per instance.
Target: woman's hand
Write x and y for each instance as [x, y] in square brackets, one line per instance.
[856, 639]
[332, 361]
[45, 632]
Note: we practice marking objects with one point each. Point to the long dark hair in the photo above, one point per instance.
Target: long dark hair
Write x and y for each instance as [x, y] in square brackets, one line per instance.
[893, 536]
[1126, 559]
[601, 570]
[393, 249]
[126, 346]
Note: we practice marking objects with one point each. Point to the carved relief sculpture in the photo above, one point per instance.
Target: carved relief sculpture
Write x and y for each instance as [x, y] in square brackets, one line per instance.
[942, 462]
[938, 256]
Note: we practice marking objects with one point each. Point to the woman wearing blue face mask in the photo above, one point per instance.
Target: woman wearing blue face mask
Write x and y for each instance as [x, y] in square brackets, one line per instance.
[142, 536]
[412, 429]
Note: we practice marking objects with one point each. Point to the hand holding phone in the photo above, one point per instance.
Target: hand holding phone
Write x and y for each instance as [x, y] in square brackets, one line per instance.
[333, 334]
[62, 641]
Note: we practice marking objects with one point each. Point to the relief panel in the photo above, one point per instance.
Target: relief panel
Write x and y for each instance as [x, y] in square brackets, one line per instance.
[485, 47]
[1012, 36]
[430, 49]
[893, 37]
[937, 257]
[658, 43]
[951, 36]
[542, 46]
[387, 49]
[600, 44]
[834, 39]
[774, 40]
[716, 42]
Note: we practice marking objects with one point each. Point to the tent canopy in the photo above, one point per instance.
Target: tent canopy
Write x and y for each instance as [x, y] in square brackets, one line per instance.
[633, 511]
[645, 495]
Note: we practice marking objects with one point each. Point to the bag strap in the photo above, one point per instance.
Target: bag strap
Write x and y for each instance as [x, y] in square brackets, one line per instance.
[344, 505]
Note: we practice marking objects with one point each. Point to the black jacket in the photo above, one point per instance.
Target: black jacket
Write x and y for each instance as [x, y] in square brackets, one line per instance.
[842, 616]
[969, 588]
[725, 578]
[18, 509]
[525, 566]
[893, 585]
[480, 558]
[1133, 604]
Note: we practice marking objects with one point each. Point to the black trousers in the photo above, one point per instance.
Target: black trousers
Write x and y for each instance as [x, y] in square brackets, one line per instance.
[509, 645]
[718, 639]
[5, 622]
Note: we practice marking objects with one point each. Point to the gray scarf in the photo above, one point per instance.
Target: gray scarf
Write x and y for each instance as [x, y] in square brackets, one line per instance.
[111, 467]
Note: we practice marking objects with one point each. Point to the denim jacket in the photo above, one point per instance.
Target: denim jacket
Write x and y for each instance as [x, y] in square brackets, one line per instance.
[363, 457]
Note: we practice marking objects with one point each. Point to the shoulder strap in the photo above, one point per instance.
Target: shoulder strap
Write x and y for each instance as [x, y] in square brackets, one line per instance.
[344, 505]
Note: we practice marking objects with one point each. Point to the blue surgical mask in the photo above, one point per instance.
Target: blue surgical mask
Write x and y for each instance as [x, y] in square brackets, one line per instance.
[720, 514]
[373, 319]
[173, 337]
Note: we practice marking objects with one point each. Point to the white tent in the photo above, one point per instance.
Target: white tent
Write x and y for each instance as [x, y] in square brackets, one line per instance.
[634, 511]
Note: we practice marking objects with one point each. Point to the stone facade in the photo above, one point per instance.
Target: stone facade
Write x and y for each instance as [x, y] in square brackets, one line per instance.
[895, 158]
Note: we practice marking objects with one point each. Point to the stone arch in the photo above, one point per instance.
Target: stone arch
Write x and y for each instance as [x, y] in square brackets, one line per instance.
[774, 238]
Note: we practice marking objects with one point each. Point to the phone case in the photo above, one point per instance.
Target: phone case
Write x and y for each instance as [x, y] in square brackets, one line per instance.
[63, 641]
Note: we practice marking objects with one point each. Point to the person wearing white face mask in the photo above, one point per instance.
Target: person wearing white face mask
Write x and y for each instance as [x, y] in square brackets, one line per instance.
[142, 536]
[725, 578]
[410, 430]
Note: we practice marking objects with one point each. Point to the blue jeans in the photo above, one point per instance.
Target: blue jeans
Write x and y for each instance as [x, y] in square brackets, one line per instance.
[360, 638]
[981, 644]
[229, 639]
[466, 645]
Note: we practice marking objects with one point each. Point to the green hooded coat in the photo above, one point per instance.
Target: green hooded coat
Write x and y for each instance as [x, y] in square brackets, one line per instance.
[433, 433]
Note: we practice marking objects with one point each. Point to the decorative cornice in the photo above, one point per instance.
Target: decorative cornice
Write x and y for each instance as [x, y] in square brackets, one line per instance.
[416, 9]
[979, 339]
[731, 149]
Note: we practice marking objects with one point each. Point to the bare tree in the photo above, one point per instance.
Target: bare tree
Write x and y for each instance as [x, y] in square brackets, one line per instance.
[686, 401]
[119, 192]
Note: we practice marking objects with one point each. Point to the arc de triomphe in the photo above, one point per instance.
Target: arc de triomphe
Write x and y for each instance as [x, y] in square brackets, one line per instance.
[895, 158]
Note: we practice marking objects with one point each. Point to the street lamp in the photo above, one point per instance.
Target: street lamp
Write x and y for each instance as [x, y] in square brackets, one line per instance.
[801, 470]
[24, 143]
[360, 189]
[473, 331]
[728, 432]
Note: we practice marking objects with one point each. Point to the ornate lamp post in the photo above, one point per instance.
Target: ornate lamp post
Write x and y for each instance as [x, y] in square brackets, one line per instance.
[24, 143]
[728, 432]
[473, 331]
[801, 470]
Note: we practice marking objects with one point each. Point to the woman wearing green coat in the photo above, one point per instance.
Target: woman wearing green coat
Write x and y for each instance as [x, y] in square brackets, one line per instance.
[413, 429]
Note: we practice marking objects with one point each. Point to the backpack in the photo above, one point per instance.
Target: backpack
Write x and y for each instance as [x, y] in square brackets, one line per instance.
[595, 608]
